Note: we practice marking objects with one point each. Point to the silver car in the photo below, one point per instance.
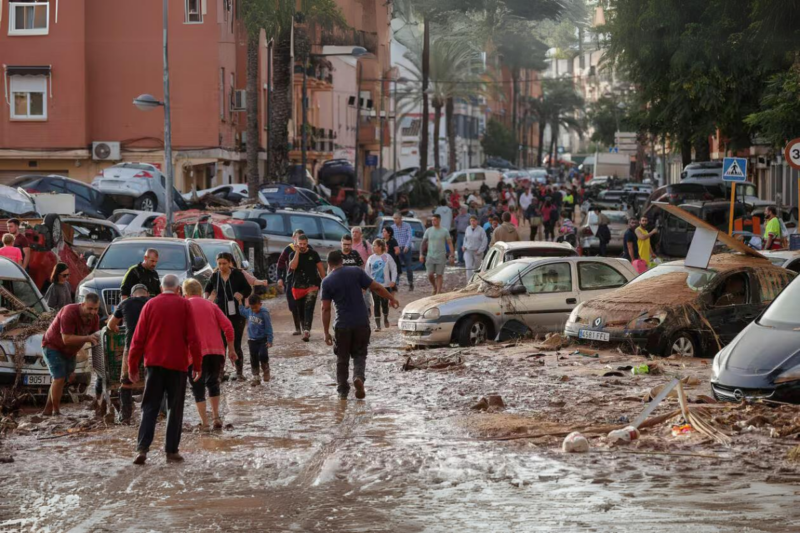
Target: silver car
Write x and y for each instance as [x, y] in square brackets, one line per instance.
[535, 293]
[138, 185]
[91, 236]
[617, 225]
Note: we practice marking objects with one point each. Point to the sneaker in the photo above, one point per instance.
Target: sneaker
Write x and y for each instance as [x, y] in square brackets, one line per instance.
[297, 332]
[240, 376]
[377, 324]
[306, 336]
[256, 381]
[386, 322]
[141, 458]
[358, 383]
[411, 288]
[174, 458]
[266, 373]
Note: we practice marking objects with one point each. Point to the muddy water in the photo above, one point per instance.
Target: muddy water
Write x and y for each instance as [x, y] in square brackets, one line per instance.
[298, 459]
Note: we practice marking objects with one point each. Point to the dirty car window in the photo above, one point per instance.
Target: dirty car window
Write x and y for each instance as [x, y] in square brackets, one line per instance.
[124, 256]
[24, 292]
[504, 274]
[697, 279]
[784, 313]
[549, 278]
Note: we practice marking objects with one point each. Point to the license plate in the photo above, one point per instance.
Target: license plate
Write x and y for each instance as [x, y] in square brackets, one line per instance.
[36, 380]
[408, 326]
[592, 335]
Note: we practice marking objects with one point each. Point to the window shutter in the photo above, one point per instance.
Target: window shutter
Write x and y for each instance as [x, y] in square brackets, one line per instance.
[204, 8]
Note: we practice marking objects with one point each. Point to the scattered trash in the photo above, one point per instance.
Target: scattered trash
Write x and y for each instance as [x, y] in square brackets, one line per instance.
[564, 378]
[640, 369]
[539, 354]
[5, 459]
[613, 373]
[553, 341]
[575, 443]
[620, 436]
[793, 455]
[585, 354]
[513, 330]
[432, 363]
[625, 368]
[491, 401]
[684, 429]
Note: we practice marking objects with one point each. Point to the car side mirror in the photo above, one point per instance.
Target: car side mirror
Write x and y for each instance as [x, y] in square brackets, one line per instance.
[92, 261]
[198, 263]
[518, 290]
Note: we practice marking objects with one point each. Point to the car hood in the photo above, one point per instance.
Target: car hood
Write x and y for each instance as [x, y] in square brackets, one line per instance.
[760, 350]
[14, 202]
[104, 279]
[448, 301]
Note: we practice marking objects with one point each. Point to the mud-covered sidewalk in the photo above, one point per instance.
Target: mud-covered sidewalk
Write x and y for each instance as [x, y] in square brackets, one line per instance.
[422, 453]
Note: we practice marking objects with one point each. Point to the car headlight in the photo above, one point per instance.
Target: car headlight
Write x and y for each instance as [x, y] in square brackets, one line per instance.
[227, 231]
[573, 316]
[652, 320]
[432, 313]
[793, 374]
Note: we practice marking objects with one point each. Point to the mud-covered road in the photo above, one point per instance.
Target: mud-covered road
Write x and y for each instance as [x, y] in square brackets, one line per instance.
[412, 457]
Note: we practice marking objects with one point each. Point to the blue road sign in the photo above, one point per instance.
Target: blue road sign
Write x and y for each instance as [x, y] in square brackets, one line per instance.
[734, 169]
[613, 150]
[371, 161]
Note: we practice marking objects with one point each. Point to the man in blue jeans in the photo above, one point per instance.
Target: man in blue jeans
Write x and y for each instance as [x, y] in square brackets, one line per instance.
[75, 326]
[405, 241]
[461, 223]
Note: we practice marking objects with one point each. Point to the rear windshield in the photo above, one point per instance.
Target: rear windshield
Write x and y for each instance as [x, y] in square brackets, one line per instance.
[123, 218]
[122, 256]
[784, 313]
[212, 249]
[696, 278]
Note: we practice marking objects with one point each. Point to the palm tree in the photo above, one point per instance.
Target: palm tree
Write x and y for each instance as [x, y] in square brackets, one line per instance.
[557, 108]
[455, 73]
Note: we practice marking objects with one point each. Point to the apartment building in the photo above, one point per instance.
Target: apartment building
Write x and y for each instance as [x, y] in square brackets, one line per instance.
[71, 70]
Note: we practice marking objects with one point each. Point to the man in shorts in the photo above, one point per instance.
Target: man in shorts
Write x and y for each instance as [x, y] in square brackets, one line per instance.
[437, 246]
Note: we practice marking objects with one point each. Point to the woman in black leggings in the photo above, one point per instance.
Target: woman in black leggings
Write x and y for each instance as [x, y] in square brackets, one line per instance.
[227, 288]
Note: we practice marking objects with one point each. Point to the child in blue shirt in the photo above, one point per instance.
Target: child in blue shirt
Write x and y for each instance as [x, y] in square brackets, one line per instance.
[259, 331]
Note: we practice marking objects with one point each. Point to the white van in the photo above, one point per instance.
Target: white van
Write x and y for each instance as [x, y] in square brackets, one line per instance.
[470, 180]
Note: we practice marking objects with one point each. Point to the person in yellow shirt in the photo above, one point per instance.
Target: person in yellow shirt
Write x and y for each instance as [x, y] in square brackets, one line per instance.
[645, 250]
[773, 236]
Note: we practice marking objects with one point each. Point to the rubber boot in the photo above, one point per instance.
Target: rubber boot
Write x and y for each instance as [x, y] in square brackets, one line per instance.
[377, 323]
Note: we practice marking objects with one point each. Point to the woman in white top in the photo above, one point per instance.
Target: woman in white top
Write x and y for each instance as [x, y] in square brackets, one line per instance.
[382, 268]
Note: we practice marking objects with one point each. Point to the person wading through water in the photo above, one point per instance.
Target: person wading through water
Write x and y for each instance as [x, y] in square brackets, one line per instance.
[344, 287]
[226, 286]
[286, 276]
[308, 274]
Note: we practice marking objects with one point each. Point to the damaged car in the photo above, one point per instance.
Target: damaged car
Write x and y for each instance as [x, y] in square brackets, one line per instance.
[24, 318]
[675, 309]
[763, 361]
[528, 295]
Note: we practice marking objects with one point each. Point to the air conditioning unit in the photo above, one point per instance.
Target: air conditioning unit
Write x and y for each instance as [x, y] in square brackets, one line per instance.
[105, 151]
[239, 100]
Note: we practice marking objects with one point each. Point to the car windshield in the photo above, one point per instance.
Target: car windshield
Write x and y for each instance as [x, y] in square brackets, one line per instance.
[122, 256]
[697, 278]
[504, 274]
[25, 292]
[784, 313]
[211, 249]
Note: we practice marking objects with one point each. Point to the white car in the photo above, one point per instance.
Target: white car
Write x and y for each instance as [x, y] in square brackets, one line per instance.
[133, 223]
[233, 192]
[138, 185]
[470, 180]
[788, 259]
[19, 312]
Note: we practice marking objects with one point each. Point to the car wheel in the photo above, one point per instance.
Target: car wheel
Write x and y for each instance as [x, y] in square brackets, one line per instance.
[272, 269]
[146, 202]
[682, 344]
[53, 223]
[472, 331]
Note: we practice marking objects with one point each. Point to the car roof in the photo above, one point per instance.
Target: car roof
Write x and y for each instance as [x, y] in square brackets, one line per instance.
[571, 259]
[730, 261]
[533, 245]
[136, 212]
[75, 218]
[11, 270]
[405, 219]
[785, 254]
[153, 240]
[214, 241]
[289, 211]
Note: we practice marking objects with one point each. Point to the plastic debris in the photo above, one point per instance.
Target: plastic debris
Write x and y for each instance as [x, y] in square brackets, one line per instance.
[640, 369]
[620, 436]
[684, 429]
[575, 443]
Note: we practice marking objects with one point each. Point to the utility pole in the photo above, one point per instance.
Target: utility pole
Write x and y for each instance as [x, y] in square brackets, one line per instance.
[269, 105]
[304, 133]
[169, 178]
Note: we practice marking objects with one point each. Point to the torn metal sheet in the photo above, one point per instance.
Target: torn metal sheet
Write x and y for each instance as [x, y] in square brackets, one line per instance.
[726, 239]
[656, 401]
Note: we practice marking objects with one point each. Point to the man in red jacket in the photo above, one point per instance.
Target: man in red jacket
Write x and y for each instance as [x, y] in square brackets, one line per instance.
[166, 336]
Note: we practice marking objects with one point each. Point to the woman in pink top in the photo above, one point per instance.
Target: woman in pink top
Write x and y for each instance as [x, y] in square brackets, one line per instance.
[210, 320]
[9, 250]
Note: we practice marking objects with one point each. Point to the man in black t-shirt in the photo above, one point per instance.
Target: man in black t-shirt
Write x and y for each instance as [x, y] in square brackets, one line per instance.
[350, 257]
[308, 273]
[630, 242]
[128, 312]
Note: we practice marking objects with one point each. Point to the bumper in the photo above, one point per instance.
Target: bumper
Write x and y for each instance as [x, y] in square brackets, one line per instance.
[785, 392]
[427, 333]
[653, 341]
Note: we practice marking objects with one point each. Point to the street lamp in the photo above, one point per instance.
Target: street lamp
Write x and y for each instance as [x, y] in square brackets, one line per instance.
[355, 51]
[148, 102]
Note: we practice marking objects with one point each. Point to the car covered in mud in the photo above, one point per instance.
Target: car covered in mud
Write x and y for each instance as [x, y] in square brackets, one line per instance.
[502, 252]
[763, 361]
[535, 294]
[24, 318]
[675, 309]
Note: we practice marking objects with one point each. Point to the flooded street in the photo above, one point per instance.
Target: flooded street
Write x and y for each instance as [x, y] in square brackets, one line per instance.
[411, 457]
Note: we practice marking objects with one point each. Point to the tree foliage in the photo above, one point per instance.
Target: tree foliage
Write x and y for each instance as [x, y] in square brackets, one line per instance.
[499, 141]
[604, 115]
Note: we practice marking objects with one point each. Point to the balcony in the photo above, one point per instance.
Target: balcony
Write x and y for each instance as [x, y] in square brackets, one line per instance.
[369, 131]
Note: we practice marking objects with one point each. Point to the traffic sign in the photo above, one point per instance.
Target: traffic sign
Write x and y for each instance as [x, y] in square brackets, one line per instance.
[792, 154]
[371, 160]
[613, 150]
[734, 169]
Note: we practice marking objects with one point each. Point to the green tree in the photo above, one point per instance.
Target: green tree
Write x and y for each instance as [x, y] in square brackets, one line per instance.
[605, 115]
[779, 118]
[557, 108]
[499, 141]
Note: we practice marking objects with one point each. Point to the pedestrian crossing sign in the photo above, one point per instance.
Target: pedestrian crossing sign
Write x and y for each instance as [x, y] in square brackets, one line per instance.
[734, 169]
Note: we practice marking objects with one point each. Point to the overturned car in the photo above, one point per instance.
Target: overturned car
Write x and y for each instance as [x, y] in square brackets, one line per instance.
[682, 310]
[533, 294]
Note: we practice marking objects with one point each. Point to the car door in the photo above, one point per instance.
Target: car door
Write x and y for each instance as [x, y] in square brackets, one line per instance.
[202, 274]
[551, 295]
[476, 179]
[277, 234]
[333, 231]
[311, 227]
[596, 278]
[726, 317]
[459, 183]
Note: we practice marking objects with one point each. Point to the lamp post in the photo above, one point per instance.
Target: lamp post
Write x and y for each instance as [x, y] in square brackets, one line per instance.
[147, 102]
[355, 51]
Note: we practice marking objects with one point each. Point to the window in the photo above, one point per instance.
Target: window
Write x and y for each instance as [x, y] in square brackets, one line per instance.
[94, 232]
[80, 191]
[418, 229]
[222, 94]
[29, 97]
[196, 251]
[595, 276]
[29, 18]
[480, 176]
[548, 279]
[333, 230]
[307, 224]
[194, 14]
[275, 225]
[461, 178]
[735, 291]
